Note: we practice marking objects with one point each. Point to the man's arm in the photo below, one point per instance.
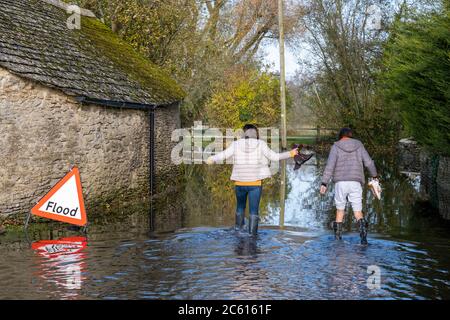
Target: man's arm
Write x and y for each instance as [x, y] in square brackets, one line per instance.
[368, 163]
[273, 156]
[329, 168]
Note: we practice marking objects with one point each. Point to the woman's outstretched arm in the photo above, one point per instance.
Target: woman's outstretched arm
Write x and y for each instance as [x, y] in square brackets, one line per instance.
[274, 156]
[225, 154]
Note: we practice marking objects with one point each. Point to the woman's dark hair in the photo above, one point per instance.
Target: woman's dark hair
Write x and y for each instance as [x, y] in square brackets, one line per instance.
[249, 126]
[345, 132]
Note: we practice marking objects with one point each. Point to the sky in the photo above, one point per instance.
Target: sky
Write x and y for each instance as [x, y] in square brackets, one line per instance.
[270, 54]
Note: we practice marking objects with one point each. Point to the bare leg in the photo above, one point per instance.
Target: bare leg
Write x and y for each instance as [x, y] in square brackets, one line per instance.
[339, 215]
[358, 215]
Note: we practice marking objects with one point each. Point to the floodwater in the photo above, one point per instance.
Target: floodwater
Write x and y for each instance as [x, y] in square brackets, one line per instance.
[192, 253]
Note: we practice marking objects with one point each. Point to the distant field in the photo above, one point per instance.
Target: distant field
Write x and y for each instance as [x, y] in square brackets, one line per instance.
[308, 135]
[303, 140]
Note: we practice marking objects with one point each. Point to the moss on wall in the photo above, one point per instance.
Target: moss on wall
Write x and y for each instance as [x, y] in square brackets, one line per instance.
[129, 61]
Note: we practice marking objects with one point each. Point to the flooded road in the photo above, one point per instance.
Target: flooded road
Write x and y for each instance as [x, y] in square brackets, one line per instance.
[193, 254]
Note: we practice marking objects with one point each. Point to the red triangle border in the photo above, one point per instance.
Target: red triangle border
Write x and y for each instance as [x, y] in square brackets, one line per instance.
[35, 210]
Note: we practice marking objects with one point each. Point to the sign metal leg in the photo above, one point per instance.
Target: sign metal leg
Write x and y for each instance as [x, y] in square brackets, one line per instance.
[84, 230]
[27, 220]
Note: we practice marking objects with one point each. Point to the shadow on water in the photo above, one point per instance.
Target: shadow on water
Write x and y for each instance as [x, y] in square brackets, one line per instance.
[193, 253]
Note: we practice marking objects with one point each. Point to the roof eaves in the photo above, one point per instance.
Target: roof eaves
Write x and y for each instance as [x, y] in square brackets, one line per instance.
[119, 104]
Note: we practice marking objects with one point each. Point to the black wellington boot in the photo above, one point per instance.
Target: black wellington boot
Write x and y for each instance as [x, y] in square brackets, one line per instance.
[239, 221]
[337, 227]
[253, 224]
[363, 225]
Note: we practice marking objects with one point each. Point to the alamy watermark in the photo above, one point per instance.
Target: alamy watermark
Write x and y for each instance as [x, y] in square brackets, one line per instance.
[74, 20]
[196, 144]
[374, 280]
[373, 12]
[374, 17]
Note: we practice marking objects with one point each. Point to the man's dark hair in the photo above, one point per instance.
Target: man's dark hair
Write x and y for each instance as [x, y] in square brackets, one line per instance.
[345, 132]
[249, 126]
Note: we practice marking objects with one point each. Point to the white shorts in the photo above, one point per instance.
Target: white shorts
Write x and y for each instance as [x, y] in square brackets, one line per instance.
[351, 190]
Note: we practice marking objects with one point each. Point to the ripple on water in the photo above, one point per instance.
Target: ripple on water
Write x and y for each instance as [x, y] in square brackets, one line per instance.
[218, 263]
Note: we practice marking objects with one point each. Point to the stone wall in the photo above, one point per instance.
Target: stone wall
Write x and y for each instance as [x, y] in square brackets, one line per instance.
[443, 187]
[408, 152]
[44, 132]
[167, 119]
[435, 181]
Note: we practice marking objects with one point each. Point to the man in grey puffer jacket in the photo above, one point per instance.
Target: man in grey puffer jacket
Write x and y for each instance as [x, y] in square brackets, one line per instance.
[345, 166]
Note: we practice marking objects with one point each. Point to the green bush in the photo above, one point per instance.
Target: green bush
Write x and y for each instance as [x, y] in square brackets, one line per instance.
[246, 96]
[416, 77]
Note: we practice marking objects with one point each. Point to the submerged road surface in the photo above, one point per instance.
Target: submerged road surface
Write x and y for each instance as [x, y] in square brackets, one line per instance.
[193, 254]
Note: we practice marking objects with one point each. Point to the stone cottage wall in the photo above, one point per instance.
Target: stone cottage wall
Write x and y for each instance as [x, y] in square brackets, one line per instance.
[43, 133]
[443, 187]
[435, 181]
[167, 119]
[408, 153]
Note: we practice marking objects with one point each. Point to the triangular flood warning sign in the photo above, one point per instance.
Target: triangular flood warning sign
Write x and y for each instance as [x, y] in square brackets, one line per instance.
[64, 202]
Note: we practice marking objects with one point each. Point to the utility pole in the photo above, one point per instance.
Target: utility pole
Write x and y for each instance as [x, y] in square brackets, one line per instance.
[282, 76]
[283, 113]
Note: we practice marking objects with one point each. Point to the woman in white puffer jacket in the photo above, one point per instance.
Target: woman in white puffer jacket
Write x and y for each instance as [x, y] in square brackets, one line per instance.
[250, 158]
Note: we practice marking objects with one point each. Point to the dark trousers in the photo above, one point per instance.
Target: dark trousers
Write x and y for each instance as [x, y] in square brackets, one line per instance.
[254, 197]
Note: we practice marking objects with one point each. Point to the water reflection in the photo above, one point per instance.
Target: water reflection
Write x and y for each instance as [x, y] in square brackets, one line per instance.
[209, 199]
[305, 207]
[246, 246]
[62, 263]
[282, 194]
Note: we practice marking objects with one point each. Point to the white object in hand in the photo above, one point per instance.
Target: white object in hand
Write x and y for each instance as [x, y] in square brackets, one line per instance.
[375, 187]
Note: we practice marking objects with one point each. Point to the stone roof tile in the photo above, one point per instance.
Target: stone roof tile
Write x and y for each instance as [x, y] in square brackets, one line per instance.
[91, 63]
